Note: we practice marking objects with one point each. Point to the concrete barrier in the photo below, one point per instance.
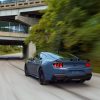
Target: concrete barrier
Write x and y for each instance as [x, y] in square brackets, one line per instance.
[22, 4]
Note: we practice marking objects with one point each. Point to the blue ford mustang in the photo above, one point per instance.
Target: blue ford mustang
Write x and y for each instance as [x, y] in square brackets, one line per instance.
[50, 67]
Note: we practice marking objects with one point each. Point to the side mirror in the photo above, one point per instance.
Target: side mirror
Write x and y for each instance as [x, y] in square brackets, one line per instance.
[37, 56]
[40, 58]
[71, 59]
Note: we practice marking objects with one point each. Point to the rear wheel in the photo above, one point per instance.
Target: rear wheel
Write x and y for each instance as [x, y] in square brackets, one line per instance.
[26, 71]
[42, 77]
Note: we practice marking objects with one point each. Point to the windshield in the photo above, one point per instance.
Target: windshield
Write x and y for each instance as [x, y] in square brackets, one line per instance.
[54, 56]
[69, 56]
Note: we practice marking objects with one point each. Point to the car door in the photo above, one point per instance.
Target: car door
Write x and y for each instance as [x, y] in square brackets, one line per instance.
[36, 66]
[30, 66]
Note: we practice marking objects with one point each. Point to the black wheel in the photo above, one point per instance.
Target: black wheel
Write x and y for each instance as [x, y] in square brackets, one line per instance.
[42, 77]
[26, 71]
[80, 81]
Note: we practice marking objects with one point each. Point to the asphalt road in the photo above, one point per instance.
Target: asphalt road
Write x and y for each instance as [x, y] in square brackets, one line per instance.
[14, 85]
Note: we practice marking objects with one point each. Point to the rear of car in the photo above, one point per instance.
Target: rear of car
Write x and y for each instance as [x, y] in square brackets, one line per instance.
[70, 68]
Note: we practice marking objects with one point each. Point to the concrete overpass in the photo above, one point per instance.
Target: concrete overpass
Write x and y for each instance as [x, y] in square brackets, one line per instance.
[26, 13]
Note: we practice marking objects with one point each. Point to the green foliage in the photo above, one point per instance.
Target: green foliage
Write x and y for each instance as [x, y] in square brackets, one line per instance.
[9, 49]
[72, 25]
[87, 35]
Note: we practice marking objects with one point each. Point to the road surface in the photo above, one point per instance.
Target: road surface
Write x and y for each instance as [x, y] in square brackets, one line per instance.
[14, 85]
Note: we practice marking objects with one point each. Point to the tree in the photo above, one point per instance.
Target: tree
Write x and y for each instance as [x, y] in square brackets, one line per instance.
[68, 25]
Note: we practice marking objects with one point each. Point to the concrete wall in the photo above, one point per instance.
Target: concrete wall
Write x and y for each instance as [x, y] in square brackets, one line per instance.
[29, 50]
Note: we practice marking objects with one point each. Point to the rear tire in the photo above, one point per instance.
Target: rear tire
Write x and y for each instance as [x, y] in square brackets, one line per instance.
[26, 71]
[42, 77]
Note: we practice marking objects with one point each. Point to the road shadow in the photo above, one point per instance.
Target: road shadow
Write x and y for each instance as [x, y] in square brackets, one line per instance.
[66, 84]
[71, 84]
[66, 87]
[11, 58]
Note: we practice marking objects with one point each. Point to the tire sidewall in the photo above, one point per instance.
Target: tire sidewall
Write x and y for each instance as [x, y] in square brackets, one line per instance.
[42, 77]
[26, 71]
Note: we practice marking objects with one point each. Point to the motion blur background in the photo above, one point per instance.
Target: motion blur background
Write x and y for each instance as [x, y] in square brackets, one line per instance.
[66, 26]
[70, 26]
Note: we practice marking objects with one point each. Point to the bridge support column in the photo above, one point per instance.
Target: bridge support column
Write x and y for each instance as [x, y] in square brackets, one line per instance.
[25, 51]
[29, 50]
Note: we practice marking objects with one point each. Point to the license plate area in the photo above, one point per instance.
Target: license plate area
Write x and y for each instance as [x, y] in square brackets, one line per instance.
[77, 72]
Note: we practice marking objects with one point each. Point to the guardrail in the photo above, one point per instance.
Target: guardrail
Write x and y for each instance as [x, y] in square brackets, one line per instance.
[16, 5]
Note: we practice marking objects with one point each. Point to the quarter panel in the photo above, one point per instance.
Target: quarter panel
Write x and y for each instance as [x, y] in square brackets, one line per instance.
[48, 70]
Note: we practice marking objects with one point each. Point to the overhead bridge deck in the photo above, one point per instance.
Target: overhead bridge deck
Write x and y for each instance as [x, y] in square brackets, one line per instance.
[13, 9]
[25, 4]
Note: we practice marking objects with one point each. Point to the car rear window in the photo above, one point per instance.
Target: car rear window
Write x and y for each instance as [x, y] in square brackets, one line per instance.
[53, 56]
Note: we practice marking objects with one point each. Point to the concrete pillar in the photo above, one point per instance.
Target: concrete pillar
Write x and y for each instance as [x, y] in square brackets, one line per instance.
[25, 51]
[26, 20]
[31, 50]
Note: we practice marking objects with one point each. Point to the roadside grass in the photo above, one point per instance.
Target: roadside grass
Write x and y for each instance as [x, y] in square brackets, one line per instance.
[95, 66]
[94, 56]
[4, 53]
[9, 50]
[96, 69]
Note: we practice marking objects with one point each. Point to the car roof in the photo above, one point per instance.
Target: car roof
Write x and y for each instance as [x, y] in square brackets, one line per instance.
[46, 53]
[49, 53]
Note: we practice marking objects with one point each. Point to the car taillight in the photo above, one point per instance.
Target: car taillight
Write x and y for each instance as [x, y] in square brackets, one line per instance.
[58, 65]
[87, 64]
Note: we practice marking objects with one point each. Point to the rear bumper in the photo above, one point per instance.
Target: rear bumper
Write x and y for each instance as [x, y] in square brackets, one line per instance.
[64, 77]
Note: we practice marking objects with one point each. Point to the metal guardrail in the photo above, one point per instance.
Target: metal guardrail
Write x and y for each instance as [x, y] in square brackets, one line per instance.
[22, 4]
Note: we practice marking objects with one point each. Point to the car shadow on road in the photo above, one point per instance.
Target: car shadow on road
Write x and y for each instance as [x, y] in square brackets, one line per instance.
[66, 84]
[66, 87]
[71, 84]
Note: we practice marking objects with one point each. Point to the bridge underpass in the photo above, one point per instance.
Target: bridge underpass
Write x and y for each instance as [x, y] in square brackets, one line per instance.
[16, 39]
